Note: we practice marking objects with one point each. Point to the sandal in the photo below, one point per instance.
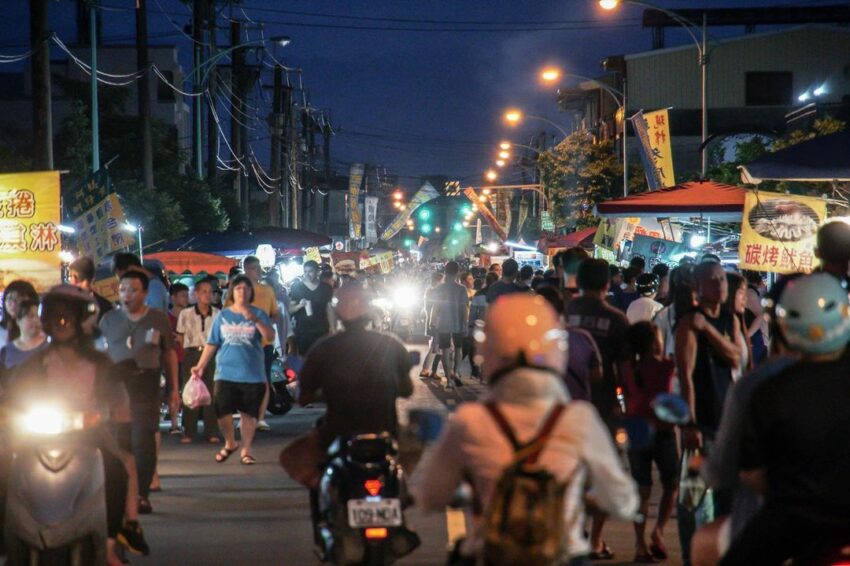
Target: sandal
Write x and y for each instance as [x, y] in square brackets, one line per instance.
[657, 550]
[248, 460]
[225, 453]
[644, 558]
[605, 554]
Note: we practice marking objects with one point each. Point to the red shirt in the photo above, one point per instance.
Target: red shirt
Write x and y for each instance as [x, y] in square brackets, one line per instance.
[647, 379]
[178, 344]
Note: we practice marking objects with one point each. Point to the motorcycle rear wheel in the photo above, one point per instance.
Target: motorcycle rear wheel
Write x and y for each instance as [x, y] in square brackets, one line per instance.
[84, 552]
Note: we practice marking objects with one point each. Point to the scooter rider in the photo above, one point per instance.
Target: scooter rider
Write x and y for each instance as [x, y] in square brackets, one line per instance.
[72, 370]
[524, 353]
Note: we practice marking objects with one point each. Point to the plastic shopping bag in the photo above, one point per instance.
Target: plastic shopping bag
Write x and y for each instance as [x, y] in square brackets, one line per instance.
[196, 394]
[692, 488]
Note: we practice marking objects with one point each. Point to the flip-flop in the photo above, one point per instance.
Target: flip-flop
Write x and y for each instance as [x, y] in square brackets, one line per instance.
[248, 460]
[222, 455]
[657, 550]
[605, 554]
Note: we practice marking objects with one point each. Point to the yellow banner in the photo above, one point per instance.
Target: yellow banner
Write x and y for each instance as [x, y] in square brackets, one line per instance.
[658, 126]
[778, 232]
[30, 240]
[355, 219]
[100, 230]
[313, 254]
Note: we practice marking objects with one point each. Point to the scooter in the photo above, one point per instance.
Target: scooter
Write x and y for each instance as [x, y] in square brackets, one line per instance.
[284, 384]
[56, 504]
[362, 498]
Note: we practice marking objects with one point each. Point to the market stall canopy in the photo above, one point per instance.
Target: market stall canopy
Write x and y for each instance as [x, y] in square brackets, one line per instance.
[193, 262]
[724, 203]
[581, 238]
[824, 158]
[237, 242]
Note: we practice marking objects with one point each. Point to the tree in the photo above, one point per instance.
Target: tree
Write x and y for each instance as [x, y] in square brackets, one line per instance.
[579, 173]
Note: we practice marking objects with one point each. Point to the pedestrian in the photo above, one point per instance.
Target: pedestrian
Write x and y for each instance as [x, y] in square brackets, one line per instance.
[645, 307]
[157, 292]
[179, 293]
[754, 319]
[833, 249]
[142, 333]
[310, 304]
[264, 299]
[638, 264]
[495, 268]
[526, 273]
[432, 358]
[569, 261]
[662, 271]
[682, 301]
[736, 305]
[608, 326]
[81, 273]
[506, 285]
[629, 292]
[193, 329]
[449, 312]
[615, 284]
[31, 340]
[15, 292]
[524, 356]
[477, 310]
[237, 334]
[706, 352]
[649, 374]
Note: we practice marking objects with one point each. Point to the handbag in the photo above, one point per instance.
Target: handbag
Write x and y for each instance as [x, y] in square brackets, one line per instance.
[302, 459]
[692, 487]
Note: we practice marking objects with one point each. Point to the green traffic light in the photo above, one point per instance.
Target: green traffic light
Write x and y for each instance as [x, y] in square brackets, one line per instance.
[458, 226]
[424, 214]
[425, 228]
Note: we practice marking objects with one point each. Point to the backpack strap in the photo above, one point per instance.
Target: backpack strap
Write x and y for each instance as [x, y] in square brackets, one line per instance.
[503, 424]
[530, 451]
[545, 432]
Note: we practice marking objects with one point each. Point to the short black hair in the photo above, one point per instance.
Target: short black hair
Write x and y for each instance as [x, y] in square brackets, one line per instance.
[753, 278]
[509, 268]
[204, 281]
[137, 275]
[84, 267]
[527, 272]
[25, 306]
[710, 258]
[571, 258]
[638, 262]
[661, 270]
[238, 280]
[630, 273]
[833, 241]
[234, 271]
[592, 275]
[250, 260]
[452, 268]
[122, 261]
[311, 263]
[176, 288]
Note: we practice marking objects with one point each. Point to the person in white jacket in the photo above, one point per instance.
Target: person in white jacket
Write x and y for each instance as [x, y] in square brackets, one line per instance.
[524, 353]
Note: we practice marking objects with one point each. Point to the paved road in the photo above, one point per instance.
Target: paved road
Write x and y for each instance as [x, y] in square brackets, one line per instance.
[210, 513]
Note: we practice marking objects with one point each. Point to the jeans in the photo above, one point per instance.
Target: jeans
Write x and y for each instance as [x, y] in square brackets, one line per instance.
[190, 416]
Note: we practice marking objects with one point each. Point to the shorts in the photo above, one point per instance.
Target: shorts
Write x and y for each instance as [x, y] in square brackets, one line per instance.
[664, 453]
[230, 397]
[446, 339]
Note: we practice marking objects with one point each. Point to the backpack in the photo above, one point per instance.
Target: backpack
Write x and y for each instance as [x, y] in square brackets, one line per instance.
[524, 523]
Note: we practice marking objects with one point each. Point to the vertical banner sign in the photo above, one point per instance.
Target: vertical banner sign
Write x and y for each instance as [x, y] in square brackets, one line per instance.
[86, 194]
[355, 220]
[485, 211]
[371, 206]
[99, 230]
[655, 148]
[29, 229]
[778, 232]
[424, 194]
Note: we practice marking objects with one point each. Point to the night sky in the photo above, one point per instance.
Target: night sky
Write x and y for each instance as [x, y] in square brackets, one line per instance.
[416, 102]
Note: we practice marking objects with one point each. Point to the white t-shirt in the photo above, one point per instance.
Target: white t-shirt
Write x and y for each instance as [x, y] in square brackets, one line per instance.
[643, 309]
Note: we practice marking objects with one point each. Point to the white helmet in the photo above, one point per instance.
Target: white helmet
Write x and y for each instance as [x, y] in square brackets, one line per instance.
[352, 302]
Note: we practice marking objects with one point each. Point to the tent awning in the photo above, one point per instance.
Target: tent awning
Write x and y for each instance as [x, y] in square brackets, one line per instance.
[822, 159]
[718, 201]
[236, 243]
[583, 238]
[193, 262]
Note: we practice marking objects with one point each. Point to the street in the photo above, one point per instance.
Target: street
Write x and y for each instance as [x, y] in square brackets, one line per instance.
[210, 513]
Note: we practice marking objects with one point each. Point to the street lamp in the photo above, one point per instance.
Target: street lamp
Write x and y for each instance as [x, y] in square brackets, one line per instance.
[500, 163]
[138, 229]
[702, 51]
[505, 145]
[491, 175]
[514, 117]
[550, 74]
[504, 155]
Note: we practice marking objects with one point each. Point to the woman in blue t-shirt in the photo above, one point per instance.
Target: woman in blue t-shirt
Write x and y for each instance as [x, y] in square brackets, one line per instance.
[240, 378]
[30, 340]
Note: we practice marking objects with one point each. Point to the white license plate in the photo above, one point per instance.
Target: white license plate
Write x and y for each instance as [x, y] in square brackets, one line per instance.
[380, 513]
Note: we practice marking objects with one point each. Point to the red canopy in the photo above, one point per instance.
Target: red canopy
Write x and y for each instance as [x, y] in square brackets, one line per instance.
[719, 201]
[193, 262]
[582, 238]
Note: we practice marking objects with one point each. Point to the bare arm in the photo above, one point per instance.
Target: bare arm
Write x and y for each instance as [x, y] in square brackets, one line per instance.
[686, 355]
[206, 356]
[331, 318]
[725, 348]
[169, 363]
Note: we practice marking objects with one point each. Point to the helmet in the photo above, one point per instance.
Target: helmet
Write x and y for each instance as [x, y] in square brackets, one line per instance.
[67, 300]
[352, 302]
[521, 331]
[814, 314]
[647, 284]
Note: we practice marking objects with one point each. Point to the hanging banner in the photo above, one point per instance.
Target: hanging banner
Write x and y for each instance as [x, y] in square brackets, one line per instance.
[371, 209]
[86, 194]
[656, 250]
[485, 211]
[379, 263]
[355, 219]
[424, 194]
[345, 263]
[778, 232]
[100, 230]
[653, 132]
[30, 240]
[313, 254]
[478, 238]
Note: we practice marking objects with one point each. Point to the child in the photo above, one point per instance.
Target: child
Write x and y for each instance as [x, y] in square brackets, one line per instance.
[650, 374]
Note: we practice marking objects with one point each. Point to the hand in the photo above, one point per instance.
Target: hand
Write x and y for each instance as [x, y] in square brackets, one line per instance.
[698, 322]
[302, 303]
[197, 372]
[691, 438]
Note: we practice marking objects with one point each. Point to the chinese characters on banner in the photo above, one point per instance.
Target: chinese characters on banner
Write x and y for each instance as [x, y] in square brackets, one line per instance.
[313, 254]
[653, 132]
[100, 229]
[86, 194]
[371, 209]
[485, 211]
[380, 263]
[30, 240]
[355, 219]
[424, 194]
[778, 232]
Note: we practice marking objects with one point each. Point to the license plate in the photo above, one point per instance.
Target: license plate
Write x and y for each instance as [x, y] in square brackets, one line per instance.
[381, 513]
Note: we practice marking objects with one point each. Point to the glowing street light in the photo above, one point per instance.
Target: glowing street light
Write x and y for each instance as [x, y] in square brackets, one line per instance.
[513, 116]
[398, 195]
[491, 175]
[609, 4]
[500, 163]
[138, 229]
[505, 145]
[550, 74]
[504, 154]
[486, 191]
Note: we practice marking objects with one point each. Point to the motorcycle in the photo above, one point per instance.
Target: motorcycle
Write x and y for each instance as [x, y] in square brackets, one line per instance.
[284, 385]
[362, 498]
[56, 503]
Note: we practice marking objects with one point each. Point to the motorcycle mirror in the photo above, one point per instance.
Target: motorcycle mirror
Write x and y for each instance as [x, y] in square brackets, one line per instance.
[670, 408]
[426, 424]
[634, 433]
[415, 357]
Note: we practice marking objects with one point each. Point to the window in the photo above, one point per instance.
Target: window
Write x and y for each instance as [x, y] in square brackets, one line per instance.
[770, 88]
[163, 91]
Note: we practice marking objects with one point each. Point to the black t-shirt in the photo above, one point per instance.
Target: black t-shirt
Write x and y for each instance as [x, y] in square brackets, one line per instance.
[500, 288]
[320, 297]
[608, 326]
[361, 373]
[798, 430]
[712, 375]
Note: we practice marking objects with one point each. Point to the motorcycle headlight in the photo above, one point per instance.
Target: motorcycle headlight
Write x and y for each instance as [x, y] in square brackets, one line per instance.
[405, 297]
[382, 303]
[49, 420]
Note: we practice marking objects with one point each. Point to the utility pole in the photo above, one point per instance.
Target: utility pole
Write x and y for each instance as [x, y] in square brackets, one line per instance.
[292, 171]
[42, 117]
[236, 81]
[143, 93]
[311, 172]
[95, 111]
[212, 128]
[327, 131]
[286, 153]
[307, 197]
[197, 102]
[276, 120]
